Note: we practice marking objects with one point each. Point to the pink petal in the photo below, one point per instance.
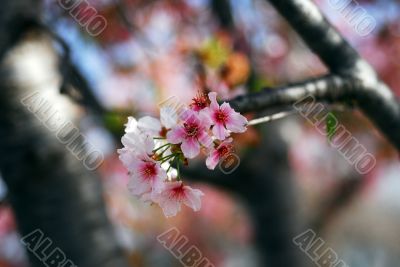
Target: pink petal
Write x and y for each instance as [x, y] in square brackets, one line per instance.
[193, 198]
[146, 197]
[169, 204]
[205, 116]
[213, 98]
[236, 123]
[212, 160]
[127, 158]
[158, 184]
[176, 135]
[205, 139]
[137, 186]
[170, 207]
[190, 148]
[191, 116]
[186, 114]
[220, 132]
[226, 108]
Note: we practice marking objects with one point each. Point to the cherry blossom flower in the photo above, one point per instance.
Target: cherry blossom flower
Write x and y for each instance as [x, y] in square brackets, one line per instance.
[153, 126]
[147, 177]
[223, 118]
[191, 134]
[174, 194]
[200, 102]
[153, 149]
[131, 125]
[137, 143]
[218, 153]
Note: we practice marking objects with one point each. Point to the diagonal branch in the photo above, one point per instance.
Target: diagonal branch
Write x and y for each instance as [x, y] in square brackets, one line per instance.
[353, 80]
[324, 40]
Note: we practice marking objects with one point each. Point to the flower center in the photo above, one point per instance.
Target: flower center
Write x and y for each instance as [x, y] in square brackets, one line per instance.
[220, 116]
[222, 151]
[191, 129]
[149, 170]
[200, 102]
[178, 192]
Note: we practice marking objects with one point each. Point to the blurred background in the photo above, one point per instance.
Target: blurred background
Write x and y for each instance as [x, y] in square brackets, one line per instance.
[289, 178]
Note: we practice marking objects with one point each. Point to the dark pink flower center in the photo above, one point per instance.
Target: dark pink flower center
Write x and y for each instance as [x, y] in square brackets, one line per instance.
[149, 170]
[220, 116]
[200, 102]
[178, 192]
[223, 150]
[191, 129]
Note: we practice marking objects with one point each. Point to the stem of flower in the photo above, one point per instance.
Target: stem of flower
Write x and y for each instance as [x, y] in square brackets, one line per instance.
[164, 150]
[166, 158]
[155, 150]
[178, 177]
[170, 166]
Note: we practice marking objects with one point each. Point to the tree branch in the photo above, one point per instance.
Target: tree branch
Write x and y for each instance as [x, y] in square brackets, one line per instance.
[352, 79]
[329, 88]
[324, 40]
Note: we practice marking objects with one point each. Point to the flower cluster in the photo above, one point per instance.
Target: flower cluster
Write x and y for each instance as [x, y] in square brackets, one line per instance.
[154, 149]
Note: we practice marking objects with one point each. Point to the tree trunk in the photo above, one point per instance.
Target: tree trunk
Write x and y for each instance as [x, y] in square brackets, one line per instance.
[49, 189]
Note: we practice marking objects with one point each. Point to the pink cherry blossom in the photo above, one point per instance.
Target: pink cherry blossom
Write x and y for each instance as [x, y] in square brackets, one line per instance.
[200, 102]
[148, 176]
[153, 147]
[127, 157]
[223, 118]
[174, 194]
[218, 153]
[191, 133]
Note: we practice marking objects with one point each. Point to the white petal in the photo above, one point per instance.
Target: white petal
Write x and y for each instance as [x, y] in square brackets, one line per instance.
[193, 198]
[139, 144]
[168, 116]
[148, 145]
[170, 207]
[149, 125]
[131, 125]
[172, 174]
[212, 160]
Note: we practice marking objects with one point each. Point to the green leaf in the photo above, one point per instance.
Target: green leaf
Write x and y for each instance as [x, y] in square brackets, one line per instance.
[331, 125]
